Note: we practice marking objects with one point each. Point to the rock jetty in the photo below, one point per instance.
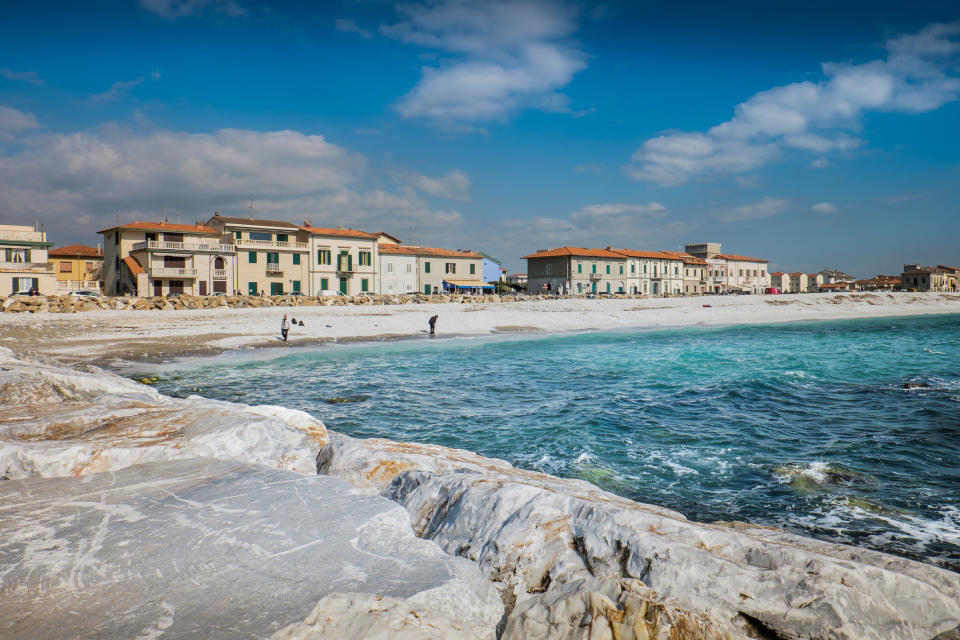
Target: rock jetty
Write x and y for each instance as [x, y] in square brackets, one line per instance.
[128, 514]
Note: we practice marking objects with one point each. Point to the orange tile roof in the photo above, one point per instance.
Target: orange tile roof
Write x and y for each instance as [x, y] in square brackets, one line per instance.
[733, 256]
[575, 251]
[812, 275]
[388, 235]
[133, 265]
[413, 250]
[76, 250]
[686, 257]
[348, 233]
[656, 255]
[165, 226]
[797, 274]
[778, 273]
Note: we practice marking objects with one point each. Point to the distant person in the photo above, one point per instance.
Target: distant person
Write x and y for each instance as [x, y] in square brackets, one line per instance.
[284, 327]
[433, 324]
[301, 323]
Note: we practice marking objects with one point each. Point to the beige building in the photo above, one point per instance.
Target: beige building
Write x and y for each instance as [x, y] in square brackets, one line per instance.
[814, 280]
[24, 264]
[731, 273]
[78, 267]
[654, 273]
[798, 282]
[576, 270]
[694, 273]
[161, 258]
[345, 260]
[780, 280]
[939, 278]
[272, 256]
[447, 270]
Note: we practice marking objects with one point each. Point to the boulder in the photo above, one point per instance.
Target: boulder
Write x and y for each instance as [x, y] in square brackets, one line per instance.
[216, 549]
[538, 536]
[61, 422]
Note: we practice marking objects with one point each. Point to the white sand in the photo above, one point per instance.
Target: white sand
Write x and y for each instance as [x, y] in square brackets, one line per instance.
[105, 335]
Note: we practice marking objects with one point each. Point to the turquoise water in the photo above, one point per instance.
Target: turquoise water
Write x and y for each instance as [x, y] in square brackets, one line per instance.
[806, 426]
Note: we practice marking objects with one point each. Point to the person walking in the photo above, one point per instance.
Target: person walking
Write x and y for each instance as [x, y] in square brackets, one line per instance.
[284, 327]
[433, 324]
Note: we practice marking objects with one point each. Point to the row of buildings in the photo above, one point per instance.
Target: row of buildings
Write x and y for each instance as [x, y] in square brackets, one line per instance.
[702, 268]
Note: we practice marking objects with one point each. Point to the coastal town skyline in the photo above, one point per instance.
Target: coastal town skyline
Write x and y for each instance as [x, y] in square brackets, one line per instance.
[500, 127]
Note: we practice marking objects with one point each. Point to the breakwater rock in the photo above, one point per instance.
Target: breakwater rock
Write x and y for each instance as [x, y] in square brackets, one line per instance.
[573, 561]
[220, 549]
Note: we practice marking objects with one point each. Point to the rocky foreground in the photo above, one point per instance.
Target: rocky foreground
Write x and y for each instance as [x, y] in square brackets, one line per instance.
[127, 514]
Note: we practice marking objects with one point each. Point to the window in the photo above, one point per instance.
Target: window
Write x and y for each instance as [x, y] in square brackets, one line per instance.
[324, 284]
[276, 288]
[25, 284]
[282, 237]
[252, 287]
[409, 267]
[252, 257]
[741, 273]
[608, 287]
[621, 270]
[579, 267]
[366, 259]
[594, 267]
[258, 235]
[150, 236]
[17, 255]
[676, 271]
[473, 268]
[450, 267]
[608, 269]
[296, 260]
[238, 235]
[579, 287]
[273, 258]
[344, 261]
[324, 256]
[644, 271]
[633, 267]
[65, 267]
[426, 267]
[295, 285]
[364, 284]
[548, 269]
[389, 267]
[89, 266]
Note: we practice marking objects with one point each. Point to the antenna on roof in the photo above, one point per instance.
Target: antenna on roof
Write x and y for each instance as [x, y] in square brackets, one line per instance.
[164, 214]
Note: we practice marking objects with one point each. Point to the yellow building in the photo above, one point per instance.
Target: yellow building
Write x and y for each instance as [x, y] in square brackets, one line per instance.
[272, 256]
[345, 260]
[24, 265]
[78, 267]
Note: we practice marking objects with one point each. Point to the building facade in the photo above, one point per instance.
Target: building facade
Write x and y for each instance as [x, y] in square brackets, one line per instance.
[160, 258]
[780, 280]
[576, 270]
[345, 260]
[399, 269]
[918, 278]
[272, 256]
[654, 273]
[731, 273]
[78, 267]
[24, 263]
[814, 280]
[798, 282]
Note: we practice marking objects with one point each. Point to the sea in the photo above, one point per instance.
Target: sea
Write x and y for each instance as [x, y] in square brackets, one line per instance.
[846, 431]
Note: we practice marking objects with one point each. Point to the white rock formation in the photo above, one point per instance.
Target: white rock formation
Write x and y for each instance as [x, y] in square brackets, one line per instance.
[219, 549]
[56, 421]
[574, 561]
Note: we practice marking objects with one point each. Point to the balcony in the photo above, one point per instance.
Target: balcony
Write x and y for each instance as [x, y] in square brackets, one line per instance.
[219, 274]
[344, 266]
[186, 247]
[269, 244]
[77, 285]
[172, 272]
[596, 276]
[26, 266]
[274, 267]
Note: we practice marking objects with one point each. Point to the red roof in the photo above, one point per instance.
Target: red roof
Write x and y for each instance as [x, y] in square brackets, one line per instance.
[686, 257]
[733, 256]
[387, 235]
[778, 273]
[133, 265]
[797, 275]
[165, 226]
[575, 251]
[76, 250]
[348, 233]
[412, 250]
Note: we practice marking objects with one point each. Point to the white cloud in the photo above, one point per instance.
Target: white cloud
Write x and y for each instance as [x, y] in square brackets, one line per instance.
[455, 185]
[824, 207]
[116, 90]
[600, 214]
[918, 74]
[765, 208]
[819, 163]
[13, 121]
[24, 76]
[503, 57]
[349, 25]
[173, 9]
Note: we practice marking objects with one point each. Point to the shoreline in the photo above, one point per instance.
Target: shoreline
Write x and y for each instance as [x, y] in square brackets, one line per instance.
[117, 338]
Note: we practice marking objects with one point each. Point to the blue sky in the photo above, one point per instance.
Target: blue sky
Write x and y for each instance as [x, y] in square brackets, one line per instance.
[823, 134]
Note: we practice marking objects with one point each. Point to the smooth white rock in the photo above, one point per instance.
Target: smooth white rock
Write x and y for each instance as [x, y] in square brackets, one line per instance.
[56, 421]
[537, 534]
[219, 549]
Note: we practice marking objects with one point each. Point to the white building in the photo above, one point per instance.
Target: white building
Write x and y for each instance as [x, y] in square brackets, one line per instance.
[729, 272]
[398, 269]
[24, 264]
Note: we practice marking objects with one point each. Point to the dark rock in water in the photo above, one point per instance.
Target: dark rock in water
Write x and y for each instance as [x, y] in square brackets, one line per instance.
[916, 385]
[345, 399]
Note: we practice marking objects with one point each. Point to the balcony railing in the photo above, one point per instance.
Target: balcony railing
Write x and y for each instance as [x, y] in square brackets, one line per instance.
[26, 266]
[219, 274]
[167, 272]
[274, 267]
[270, 244]
[596, 276]
[78, 285]
[163, 245]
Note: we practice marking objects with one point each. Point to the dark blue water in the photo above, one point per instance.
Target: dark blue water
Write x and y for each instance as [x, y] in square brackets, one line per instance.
[806, 426]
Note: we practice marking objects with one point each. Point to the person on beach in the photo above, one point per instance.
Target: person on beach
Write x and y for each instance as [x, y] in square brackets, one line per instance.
[433, 324]
[284, 327]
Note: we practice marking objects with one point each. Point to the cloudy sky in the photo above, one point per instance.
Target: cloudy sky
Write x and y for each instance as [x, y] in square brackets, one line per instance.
[823, 134]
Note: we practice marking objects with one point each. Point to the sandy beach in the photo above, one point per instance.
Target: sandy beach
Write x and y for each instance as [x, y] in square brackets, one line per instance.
[113, 337]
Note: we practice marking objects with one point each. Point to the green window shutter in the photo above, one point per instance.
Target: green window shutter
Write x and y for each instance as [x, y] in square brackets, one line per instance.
[594, 268]
[252, 257]
[579, 267]
[426, 267]
[608, 269]
[364, 285]
[473, 268]
[238, 235]
[349, 262]
[621, 269]
[296, 260]
[16, 285]
[251, 287]
[281, 237]
[324, 283]
[296, 285]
